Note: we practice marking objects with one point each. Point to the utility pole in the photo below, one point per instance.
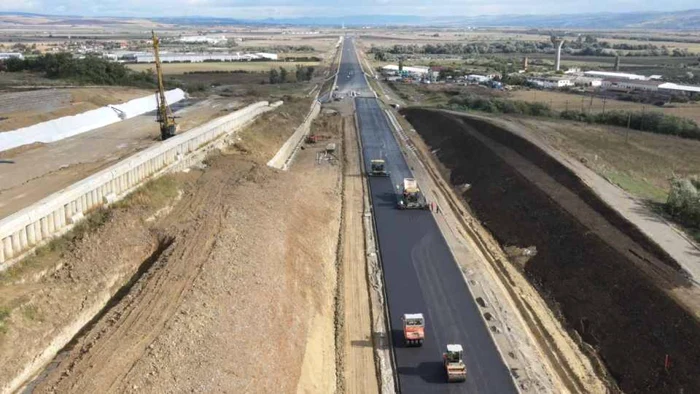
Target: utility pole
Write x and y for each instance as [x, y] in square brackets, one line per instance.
[582, 99]
[604, 99]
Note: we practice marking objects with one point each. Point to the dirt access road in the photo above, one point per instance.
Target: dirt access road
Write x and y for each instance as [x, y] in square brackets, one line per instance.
[357, 369]
[32, 172]
[234, 298]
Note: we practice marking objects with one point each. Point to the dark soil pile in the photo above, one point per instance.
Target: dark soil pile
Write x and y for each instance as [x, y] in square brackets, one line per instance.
[598, 292]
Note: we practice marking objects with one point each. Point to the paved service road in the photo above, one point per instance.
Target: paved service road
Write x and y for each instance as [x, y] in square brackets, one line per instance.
[420, 272]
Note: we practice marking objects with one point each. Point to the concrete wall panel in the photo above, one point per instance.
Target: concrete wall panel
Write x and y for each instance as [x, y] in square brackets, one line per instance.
[56, 213]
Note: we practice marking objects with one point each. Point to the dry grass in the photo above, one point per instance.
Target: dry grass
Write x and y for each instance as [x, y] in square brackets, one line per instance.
[641, 163]
[562, 101]
[181, 68]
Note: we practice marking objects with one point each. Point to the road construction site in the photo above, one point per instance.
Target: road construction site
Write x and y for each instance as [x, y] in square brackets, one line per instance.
[615, 290]
[32, 172]
[160, 289]
[369, 257]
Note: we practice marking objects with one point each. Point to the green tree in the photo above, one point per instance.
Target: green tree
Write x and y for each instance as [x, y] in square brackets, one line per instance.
[274, 76]
[283, 75]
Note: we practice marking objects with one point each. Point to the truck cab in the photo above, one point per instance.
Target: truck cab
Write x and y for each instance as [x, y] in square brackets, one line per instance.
[413, 329]
[455, 368]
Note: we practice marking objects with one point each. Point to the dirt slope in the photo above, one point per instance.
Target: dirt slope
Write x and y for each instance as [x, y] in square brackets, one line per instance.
[241, 301]
[228, 294]
[599, 289]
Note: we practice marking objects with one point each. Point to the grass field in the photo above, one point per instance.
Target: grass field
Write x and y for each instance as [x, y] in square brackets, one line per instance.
[181, 68]
[562, 101]
[641, 163]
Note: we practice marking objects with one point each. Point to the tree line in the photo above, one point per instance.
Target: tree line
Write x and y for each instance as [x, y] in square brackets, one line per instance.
[583, 46]
[88, 70]
[302, 74]
[653, 122]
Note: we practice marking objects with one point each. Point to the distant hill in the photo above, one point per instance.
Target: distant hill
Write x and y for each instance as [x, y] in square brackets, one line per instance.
[678, 20]
[682, 20]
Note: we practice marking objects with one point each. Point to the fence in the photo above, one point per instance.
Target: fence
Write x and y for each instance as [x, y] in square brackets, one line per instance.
[55, 214]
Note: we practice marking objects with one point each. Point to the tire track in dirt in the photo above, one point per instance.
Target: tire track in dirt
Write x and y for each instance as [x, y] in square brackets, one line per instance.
[100, 361]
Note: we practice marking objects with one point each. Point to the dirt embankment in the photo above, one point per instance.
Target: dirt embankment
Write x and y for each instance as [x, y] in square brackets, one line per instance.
[23, 109]
[237, 298]
[603, 292]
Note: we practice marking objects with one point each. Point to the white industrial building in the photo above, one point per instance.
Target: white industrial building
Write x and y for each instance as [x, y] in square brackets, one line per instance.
[587, 81]
[608, 74]
[478, 78]
[680, 88]
[631, 84]
[204, 39]
[417, 71]
[10, 55]
[203, 57]
[550, 82]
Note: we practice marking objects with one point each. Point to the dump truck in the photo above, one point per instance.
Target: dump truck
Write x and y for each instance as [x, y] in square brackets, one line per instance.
[378, 168]
[411, 196]
[455, 368]
[413, 329]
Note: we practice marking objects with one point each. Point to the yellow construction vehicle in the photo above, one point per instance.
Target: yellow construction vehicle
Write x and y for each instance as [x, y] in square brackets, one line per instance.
[454, 365]
[164, 116]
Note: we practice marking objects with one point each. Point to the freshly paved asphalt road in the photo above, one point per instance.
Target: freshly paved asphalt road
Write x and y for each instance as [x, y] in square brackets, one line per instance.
[420, 272]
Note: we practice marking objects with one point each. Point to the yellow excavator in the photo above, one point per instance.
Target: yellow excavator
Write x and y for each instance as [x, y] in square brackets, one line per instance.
[164, 116]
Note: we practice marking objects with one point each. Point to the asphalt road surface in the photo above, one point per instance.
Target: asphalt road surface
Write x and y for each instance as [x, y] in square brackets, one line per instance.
[420, 272]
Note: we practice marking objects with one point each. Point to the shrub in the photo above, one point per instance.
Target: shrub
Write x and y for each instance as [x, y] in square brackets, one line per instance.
[684, 200]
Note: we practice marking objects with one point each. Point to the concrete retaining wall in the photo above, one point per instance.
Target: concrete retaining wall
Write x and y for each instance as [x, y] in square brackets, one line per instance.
[284, 156]
[55, 214]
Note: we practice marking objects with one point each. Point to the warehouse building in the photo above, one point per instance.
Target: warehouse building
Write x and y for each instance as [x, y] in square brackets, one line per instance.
[550, 82]
[625, 85]
[203, 39]
[202, 57]
[392, 69]
[680, 88]
[10, 55]
[587, 81]
[608, 74]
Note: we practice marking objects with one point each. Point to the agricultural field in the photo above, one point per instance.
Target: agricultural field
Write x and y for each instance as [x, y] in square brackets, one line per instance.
[181, 68]
[590, 103]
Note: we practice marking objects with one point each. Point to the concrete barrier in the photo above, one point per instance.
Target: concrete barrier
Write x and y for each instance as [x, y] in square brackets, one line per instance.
[286, 154]
[57, 213]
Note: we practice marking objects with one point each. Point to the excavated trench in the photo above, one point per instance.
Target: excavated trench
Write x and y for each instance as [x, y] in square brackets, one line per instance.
[526, 198]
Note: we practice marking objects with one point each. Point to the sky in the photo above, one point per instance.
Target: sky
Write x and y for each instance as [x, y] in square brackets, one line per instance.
[260, 9]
